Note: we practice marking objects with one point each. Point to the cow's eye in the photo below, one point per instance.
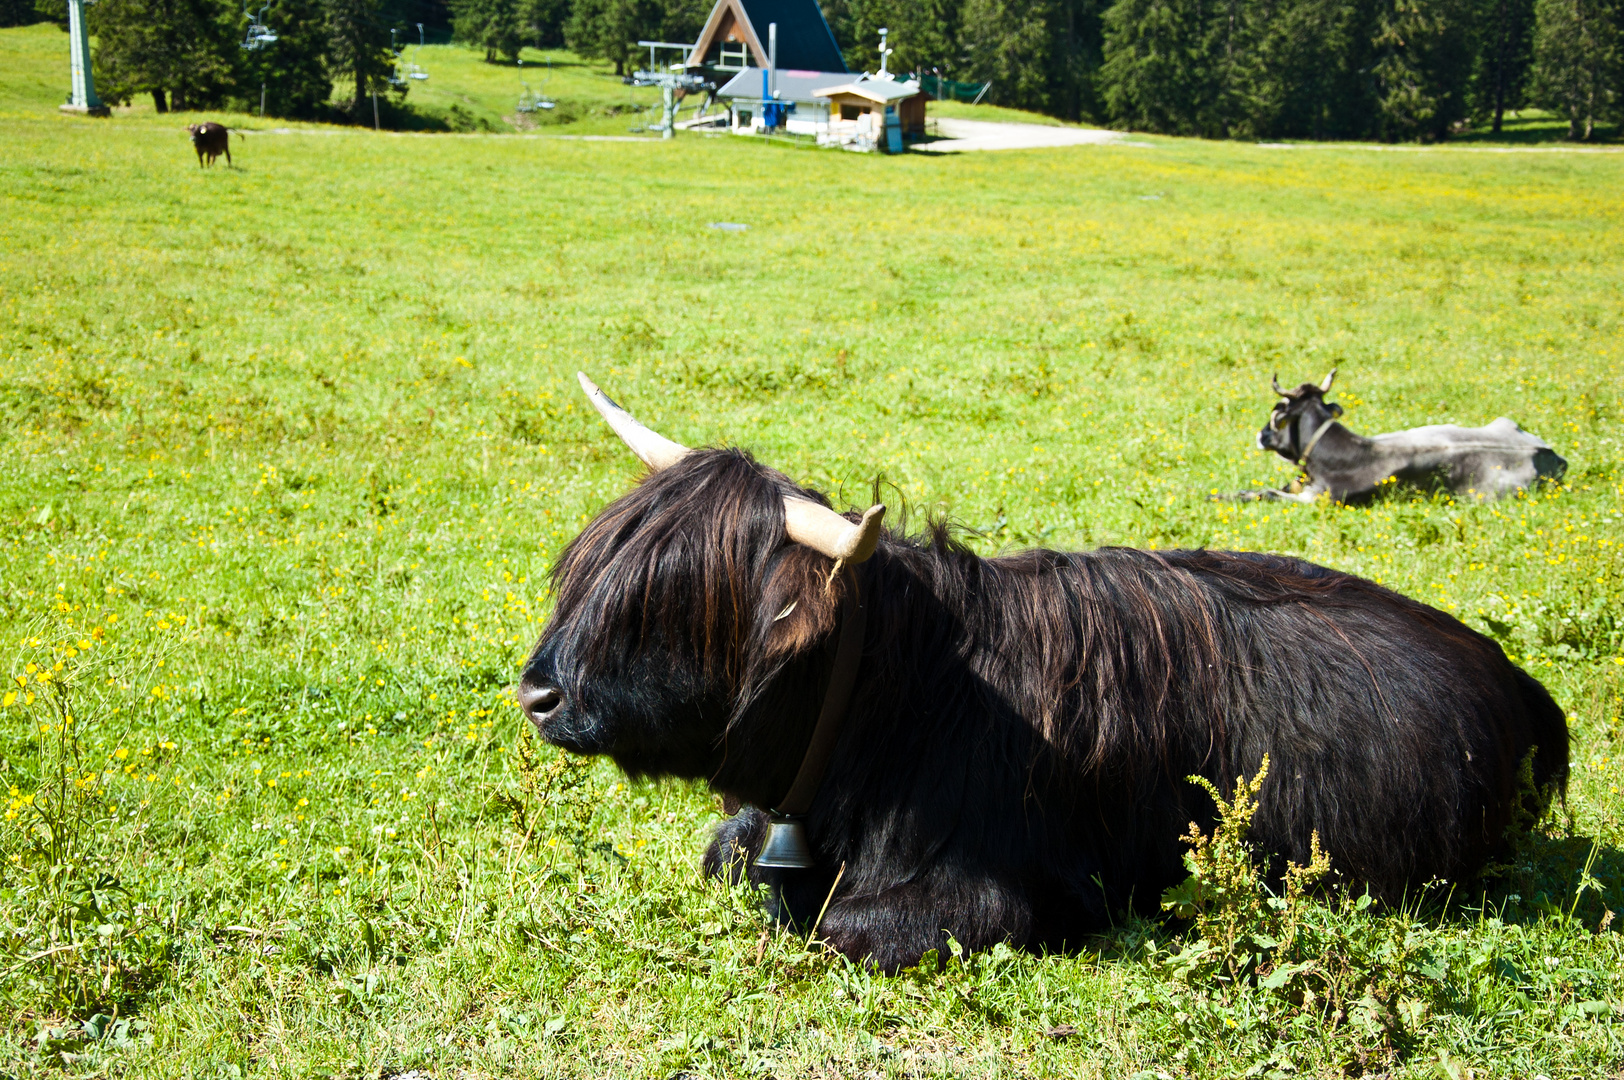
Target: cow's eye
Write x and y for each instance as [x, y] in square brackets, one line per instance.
[1278, 420]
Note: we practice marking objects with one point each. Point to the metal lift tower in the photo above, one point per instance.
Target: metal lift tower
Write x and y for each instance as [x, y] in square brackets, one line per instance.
[669, 81]
[83, 98]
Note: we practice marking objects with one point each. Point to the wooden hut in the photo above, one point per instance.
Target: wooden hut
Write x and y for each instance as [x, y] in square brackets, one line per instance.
[861, 111]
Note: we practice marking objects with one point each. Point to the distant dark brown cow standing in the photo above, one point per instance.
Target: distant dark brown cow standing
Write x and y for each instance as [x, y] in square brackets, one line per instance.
[210, 140]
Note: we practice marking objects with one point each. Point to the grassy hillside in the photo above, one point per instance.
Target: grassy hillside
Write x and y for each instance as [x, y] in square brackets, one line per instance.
[288, 449]
[463, 93]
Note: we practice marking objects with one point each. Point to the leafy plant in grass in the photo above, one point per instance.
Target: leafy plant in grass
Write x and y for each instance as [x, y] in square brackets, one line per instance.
[551, 799]
[84, 943]
[1299, 952]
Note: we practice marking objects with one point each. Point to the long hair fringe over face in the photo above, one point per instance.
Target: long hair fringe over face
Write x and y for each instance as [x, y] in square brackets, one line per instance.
[657, 631]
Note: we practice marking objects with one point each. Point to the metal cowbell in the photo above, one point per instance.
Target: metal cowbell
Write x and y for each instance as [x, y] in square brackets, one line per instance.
[785, 847]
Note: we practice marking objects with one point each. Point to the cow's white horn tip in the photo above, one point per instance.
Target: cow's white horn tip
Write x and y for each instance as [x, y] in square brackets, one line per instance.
[865, 535]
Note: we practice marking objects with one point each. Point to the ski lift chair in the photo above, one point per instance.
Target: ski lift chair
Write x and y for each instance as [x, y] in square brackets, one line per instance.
[259, 35]
[395, 78]
[531, 100]
[415, 70]
[542, 100]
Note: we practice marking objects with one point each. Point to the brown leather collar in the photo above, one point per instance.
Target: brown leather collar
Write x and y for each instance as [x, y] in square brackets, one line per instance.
[836, 699]
[1302, 458]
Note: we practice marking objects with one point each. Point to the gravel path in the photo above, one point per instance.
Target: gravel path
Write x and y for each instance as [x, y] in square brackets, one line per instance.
[965, 135]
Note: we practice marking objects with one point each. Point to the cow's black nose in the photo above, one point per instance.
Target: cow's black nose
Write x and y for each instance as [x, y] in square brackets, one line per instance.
[539, 702]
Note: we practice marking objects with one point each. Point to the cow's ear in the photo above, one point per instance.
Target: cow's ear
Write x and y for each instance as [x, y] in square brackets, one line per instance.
[799, 603]
[1336, 410]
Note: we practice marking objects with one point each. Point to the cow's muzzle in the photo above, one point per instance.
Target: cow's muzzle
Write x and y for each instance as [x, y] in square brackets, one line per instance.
[540, 702]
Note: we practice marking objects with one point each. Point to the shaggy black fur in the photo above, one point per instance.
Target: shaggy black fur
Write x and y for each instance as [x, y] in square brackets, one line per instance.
[1012, 768]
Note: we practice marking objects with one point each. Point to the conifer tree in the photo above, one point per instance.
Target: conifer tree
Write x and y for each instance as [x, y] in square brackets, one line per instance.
[544, 21]
[183, 52]
[493, 25]
[1576, 62]
[923, 32]
[1075, 62]
[1421, 68]
[1008, 43]
[292, 71]
[18, 13]
[358, 50]
[1505, 31]
[1040, 55]
[610, 29]
[51, 11]
[1306, 79]
[1155, 76]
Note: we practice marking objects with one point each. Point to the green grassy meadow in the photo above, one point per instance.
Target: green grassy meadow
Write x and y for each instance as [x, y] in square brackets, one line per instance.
[288, 449]
[464, 93]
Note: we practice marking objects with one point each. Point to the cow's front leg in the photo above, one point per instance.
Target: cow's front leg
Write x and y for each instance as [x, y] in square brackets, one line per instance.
[1305, 497]
[735, 845]
[889, 929]
[892, 929]
[1258, 495]
[793, 897]
[1297, 491]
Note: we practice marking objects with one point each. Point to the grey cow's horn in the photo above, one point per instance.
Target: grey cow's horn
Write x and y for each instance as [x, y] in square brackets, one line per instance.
[1277, 389]
[806, 522]
[1325, 387]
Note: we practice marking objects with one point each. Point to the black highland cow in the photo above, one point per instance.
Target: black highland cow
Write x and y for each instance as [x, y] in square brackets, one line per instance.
[1012, 764]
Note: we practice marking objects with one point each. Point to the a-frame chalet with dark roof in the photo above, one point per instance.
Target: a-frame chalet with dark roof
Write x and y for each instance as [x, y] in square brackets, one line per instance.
[735, 37]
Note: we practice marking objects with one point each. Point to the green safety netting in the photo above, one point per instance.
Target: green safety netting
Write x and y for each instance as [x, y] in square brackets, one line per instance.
[940, 88]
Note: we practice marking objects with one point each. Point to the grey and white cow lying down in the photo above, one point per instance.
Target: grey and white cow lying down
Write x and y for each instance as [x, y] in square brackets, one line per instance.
[1486, 463]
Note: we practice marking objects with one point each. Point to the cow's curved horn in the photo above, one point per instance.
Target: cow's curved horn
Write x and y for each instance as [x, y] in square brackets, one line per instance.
[655, 451]
[1277, 389]
[825, 531]
[806, 522]
[1325, 387]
